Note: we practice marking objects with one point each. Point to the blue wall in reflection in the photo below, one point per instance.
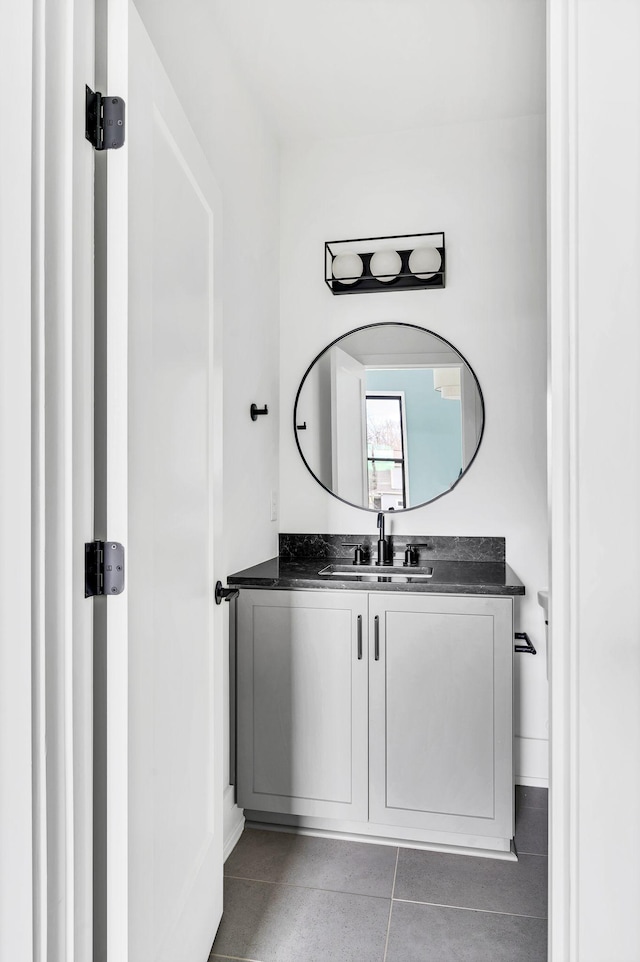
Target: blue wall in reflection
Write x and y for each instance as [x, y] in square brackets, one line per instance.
[434, 430]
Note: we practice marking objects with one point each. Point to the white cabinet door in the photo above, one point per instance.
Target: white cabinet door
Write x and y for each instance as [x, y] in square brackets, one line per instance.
[302, 703]
[440, 713]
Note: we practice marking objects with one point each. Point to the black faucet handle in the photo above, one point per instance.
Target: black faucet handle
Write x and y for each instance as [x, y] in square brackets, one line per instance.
[411, 552]
[410, 555]
[358, 555]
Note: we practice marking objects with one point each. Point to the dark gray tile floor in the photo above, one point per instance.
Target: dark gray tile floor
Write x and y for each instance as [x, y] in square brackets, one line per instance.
[292, 898]
[321, 863]
[464, 881]
[532, 814]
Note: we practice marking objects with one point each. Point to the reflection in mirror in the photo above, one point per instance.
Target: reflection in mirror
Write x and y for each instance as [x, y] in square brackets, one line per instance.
[389, 417]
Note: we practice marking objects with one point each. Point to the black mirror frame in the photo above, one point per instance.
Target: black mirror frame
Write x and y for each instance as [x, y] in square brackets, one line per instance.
[341, 338]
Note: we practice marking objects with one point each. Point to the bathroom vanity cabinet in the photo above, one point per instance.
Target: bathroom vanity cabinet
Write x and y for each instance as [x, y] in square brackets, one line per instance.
[377, 713]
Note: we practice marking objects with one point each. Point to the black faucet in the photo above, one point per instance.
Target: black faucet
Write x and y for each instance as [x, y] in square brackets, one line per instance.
[382, 544]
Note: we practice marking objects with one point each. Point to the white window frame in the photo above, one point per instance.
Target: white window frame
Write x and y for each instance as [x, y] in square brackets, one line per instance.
[403, 425]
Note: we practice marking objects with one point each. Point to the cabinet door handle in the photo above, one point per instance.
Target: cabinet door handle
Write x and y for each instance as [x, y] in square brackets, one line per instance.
[359, 637]
[376, 636]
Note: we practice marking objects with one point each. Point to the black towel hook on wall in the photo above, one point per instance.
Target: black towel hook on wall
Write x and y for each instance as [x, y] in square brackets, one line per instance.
[528, 646]
[254, 410]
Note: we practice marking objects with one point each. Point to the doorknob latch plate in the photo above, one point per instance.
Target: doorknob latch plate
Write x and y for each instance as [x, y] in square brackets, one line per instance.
[104, 120]
[103, 568]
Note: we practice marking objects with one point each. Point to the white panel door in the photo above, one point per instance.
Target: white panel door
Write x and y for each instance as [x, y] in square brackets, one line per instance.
[162, 852]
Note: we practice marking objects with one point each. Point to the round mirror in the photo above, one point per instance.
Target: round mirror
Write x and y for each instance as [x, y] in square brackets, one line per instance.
[389, 417]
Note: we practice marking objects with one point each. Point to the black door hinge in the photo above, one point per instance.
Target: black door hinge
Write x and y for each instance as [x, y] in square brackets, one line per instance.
[103, 568]
[104, 120]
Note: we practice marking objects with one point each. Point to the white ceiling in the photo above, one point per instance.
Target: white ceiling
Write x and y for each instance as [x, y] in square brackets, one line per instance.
[333, 68]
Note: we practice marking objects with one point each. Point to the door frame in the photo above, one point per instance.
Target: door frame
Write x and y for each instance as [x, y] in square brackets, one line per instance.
[110, 892]
[562, 232]
[62, 424]
[22, 370]
[47, 509]
[17, 879]
[592, 90]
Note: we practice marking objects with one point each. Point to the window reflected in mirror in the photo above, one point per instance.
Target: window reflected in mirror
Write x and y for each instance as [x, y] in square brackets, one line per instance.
[386, 464]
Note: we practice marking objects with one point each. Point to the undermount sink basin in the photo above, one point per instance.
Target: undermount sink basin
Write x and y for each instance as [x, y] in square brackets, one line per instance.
[378, 572]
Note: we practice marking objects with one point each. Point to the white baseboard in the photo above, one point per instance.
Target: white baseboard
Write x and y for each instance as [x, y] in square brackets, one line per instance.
[233, 822]
[298, 829]
[531, 762]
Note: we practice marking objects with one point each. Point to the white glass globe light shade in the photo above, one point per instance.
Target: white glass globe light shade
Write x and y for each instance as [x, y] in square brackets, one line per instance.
[424, 262]
[347, 267]
[385, 266]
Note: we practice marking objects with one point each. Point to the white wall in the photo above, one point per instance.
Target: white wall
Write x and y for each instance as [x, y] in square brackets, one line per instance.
[484, 185]
[243, 154]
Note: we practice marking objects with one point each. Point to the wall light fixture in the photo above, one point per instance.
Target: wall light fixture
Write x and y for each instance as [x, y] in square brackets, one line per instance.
[396, 263]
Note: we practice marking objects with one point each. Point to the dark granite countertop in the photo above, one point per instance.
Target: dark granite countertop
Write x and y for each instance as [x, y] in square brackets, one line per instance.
[449, 577]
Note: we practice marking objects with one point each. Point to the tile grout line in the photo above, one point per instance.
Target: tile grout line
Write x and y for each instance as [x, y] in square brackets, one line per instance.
[309, 888]
[235, 958]
[393, 891]
[467, 908]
